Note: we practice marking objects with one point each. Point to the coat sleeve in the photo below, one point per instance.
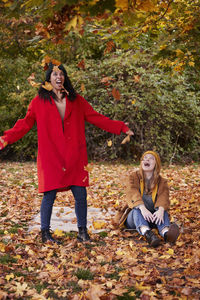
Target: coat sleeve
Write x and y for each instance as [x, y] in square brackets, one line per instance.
[132, 191]
[163, 195]
[102, 121]
[21, 127]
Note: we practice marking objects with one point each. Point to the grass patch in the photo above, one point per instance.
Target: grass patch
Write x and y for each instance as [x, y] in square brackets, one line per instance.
[84, 274]
[6, 259]
[103, 234]
[131, 294]
[71, 234]
[39, 287]
[74, 286]
[14, 229]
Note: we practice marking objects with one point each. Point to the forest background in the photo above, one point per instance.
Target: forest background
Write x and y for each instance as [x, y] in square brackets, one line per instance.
[136, 61]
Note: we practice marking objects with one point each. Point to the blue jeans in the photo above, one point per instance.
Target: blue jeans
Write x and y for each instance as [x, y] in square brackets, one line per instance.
[135, 220]
[80, 195]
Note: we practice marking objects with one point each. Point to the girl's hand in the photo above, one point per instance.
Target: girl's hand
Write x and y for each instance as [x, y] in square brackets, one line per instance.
[3, 143]
[148, 216]
[158, 216]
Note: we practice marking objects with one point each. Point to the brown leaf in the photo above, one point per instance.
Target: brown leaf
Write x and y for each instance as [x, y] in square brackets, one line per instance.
[116, 94]
[136, 78]
[81, 64]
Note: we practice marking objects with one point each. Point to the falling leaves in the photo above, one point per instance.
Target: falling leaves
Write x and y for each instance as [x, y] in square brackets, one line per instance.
[116, 94]
[117, 262]
[31, 80]
[109, 143]
[126, 139]
[47, 86]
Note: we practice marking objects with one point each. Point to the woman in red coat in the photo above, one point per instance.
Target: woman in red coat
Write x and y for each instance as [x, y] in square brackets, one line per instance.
[60, 114]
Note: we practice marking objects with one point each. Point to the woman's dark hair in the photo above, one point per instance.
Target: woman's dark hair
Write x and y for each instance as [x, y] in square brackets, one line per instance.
[46, 95]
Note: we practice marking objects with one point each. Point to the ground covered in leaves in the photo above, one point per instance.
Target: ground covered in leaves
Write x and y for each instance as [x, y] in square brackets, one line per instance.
[116, 264]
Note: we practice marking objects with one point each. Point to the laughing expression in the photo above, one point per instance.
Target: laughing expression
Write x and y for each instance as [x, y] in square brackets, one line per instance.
[57, 80]
[148, 163]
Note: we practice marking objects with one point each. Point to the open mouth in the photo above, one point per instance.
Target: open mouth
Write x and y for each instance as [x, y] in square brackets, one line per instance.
[146, 164]
[58, 82]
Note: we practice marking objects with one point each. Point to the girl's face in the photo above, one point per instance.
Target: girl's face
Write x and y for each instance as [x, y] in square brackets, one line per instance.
[57, 79]
[148, 163]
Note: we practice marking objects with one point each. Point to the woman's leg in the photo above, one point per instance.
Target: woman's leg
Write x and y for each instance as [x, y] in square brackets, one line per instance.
[163, 227]
[136, 220]
[168, 231]
[80, 195]
[46, 209]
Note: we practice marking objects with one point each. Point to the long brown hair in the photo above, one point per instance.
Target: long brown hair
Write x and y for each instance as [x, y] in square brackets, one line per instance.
[150, 184]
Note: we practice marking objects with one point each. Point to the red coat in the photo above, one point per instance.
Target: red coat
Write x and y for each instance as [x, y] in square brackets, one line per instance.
[62, 154]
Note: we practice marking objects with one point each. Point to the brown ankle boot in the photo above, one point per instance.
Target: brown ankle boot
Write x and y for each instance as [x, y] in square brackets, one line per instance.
[152, 238]
[172, 234]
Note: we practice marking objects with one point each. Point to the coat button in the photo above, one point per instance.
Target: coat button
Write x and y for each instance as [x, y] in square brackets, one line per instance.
[63, 169]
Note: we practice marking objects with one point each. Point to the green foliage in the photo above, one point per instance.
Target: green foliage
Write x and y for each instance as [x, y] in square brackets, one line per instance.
[163, 110]
[15, 95]
[84, 274]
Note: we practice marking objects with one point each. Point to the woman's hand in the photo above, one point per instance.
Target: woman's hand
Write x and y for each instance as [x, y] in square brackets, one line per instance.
[148, 216]
[129, 132]
[3, 143]
[158, 216]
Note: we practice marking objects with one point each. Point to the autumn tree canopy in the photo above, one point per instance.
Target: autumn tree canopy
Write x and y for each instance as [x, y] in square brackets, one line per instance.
[173, 24]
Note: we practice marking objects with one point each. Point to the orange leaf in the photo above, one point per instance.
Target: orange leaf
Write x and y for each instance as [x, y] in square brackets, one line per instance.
[136, 78]
[82, 87]
[116, 94]
[47, 86]
[81, 64]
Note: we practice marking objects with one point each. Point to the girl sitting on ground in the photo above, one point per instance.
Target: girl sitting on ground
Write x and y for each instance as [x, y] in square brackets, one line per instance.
[147, 197]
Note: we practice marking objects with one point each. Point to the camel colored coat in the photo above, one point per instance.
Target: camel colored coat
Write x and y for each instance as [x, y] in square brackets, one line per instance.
[133, 197]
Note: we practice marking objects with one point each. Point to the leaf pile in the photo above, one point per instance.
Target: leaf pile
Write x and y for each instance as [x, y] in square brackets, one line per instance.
[116, 264]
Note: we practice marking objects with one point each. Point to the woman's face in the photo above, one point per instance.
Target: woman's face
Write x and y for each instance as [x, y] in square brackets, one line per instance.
[57, 79]
[148, 163]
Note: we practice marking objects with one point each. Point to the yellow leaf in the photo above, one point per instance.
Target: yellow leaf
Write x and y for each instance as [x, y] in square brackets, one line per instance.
[170, 251]
[98, 224]
[2, 247]
[179, 52]
[191, 63]
[162, 47]
[49, 267]
[56, 69]
[121, 4]
[144, 250]
[126, 139]
[17, 256]
[59, 232]
[133, 101]
[109, 143]
[119, 252]
[9, 276]
[88, 168]
[72, 23]
[116, 203]
[47, 86]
